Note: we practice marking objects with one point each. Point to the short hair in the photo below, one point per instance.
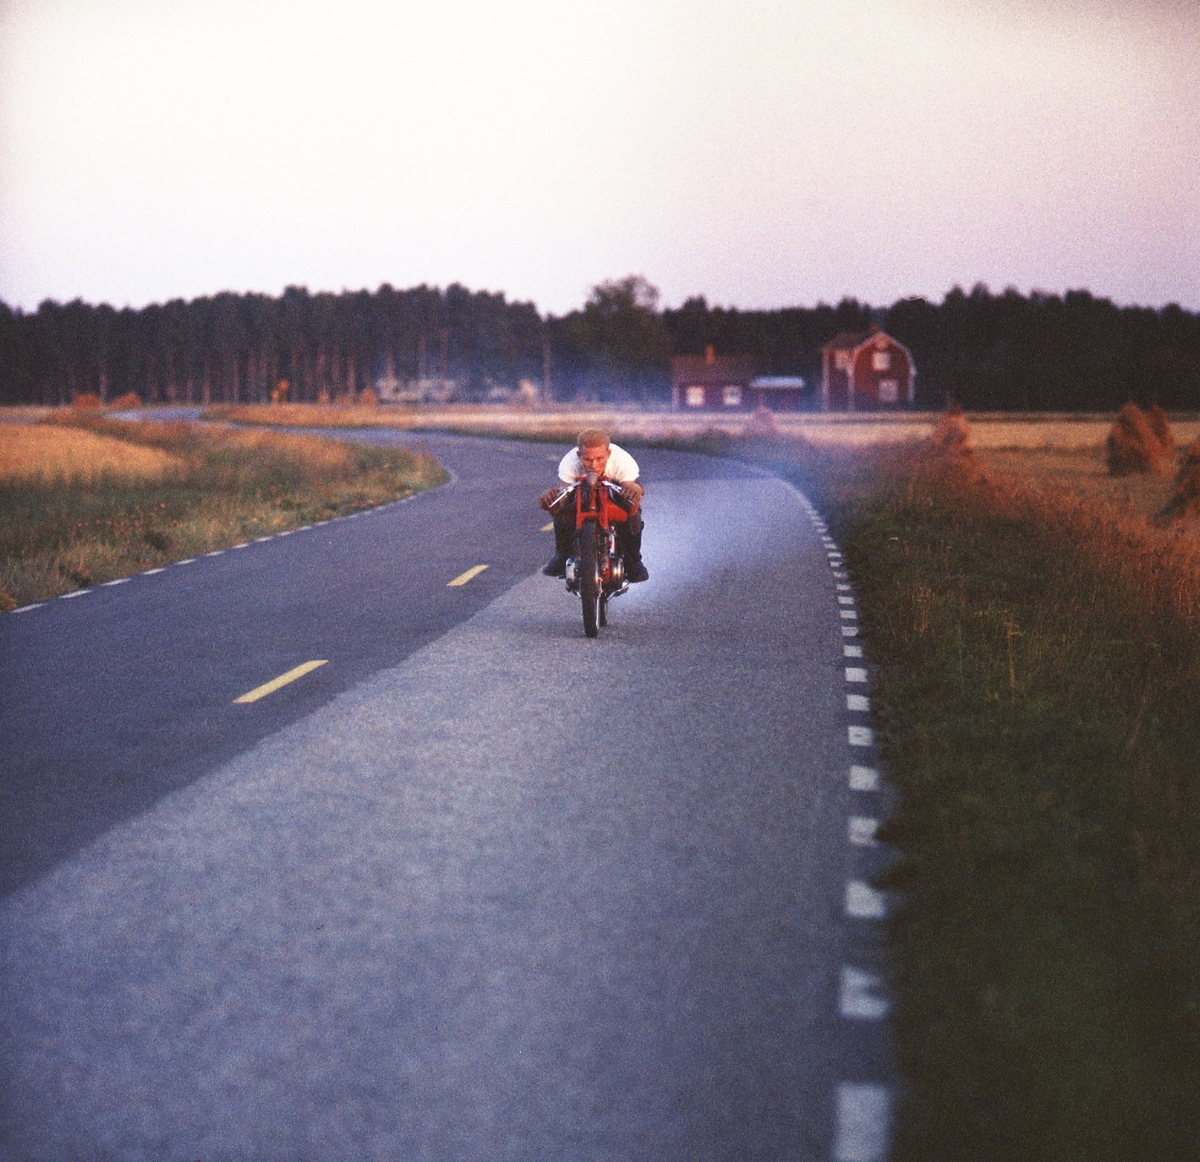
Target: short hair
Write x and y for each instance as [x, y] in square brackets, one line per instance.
[592, 438]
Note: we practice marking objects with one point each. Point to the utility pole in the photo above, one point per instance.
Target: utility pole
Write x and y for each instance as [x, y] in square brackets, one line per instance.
[445, 337]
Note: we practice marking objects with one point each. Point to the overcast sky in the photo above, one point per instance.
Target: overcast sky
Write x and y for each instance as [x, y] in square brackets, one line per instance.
[763, 153]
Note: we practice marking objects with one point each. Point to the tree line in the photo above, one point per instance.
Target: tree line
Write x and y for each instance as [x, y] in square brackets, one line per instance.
[233, 348]
[987, 352]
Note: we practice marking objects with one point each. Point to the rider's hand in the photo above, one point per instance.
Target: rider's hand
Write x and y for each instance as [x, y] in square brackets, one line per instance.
[547, 499]
[632, 491]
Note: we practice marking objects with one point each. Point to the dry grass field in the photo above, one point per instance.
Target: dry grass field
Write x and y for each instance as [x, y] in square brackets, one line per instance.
[990, 431]
[1034, 642]
[50, 453]
[84, 500]
[1081, 472]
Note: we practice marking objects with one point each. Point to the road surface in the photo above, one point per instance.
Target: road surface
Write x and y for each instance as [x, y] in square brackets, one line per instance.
[475, 887]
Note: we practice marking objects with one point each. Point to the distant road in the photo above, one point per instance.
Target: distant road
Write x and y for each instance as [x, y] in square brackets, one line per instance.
[475, 887]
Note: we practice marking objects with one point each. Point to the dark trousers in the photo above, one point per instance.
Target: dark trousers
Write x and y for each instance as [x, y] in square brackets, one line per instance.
[629, 534]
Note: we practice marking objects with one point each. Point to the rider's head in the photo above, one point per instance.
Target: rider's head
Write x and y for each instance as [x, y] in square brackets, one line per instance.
[593, 447]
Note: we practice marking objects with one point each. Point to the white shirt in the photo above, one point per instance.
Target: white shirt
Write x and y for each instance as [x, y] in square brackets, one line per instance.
[621, 466]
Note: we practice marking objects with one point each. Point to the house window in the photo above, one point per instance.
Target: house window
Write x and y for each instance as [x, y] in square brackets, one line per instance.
[881, 360]
[889, 391]
[732, 396]
[841, 360]
[693, 397]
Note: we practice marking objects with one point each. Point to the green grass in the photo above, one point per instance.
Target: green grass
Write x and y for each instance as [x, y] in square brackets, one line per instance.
[62, 535]
[1036, 692]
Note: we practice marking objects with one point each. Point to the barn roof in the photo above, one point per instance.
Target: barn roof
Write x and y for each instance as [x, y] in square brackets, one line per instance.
[712, 369]
[848, 340]
[852, 340]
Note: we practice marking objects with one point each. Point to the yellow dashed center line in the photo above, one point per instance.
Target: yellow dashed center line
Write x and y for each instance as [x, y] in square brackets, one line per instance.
[463, 578]
[548, 528]
[283, 679]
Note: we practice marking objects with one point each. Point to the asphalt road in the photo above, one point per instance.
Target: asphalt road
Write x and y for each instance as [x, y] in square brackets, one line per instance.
[475, 888]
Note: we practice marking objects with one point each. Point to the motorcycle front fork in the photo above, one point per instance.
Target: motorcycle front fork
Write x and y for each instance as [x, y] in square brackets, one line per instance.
[616, 566]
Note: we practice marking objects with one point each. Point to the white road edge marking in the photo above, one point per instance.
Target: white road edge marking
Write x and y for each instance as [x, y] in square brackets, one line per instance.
[77, 593]
[850, 651]
[859, 702]
[856, 997]
[860, 735]
[855, 673]
[860, 830]
[863, 902]
[27, 608]
[118, 581]
[864, 1117]
[864, 779]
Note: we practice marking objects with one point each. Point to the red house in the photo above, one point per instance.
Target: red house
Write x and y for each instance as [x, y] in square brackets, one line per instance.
[866, 372]
[712, 382]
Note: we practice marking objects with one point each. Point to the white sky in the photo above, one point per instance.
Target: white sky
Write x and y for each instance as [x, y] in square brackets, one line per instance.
[761, 152]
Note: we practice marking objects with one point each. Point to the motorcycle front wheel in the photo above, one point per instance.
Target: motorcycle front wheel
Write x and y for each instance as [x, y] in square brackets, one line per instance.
[589, 579]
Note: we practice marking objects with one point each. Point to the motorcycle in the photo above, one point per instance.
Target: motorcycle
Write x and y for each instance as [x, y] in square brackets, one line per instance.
[597, 570]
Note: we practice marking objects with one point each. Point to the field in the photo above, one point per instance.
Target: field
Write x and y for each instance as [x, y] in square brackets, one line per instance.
[88, 500]
[561, 421]
[1034, 639]
[1033, 634]
[1081, 472]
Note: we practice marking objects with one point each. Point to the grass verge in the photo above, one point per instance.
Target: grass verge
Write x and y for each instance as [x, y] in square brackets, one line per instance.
[314, 415]
[89, 500]
[1036, 691]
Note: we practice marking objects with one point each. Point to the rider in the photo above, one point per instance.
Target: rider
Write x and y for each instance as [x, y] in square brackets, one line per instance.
[595, 452]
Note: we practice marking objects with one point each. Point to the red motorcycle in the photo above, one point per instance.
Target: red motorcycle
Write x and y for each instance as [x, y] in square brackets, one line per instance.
[597, 570]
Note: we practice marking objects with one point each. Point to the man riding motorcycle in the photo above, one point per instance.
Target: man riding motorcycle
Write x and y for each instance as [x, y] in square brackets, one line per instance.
[595, 452]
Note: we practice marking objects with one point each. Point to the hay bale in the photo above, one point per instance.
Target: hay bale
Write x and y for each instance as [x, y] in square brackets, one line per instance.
[951, 435]
[1132, 447]
[1186, 501]
[762, 425]
[368, 398]
[948, 452]
[1191, 455]
[130, 399]
[1160, 425]
[87, 401]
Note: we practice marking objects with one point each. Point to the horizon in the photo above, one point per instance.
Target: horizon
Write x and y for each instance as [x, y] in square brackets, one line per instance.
[761, 156]
[661, 308]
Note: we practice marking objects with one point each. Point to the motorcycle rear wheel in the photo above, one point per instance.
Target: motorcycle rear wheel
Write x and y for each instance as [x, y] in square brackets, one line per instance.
[589, 581]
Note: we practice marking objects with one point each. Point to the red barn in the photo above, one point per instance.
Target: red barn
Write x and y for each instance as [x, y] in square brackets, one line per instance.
[710, 382]
[724, 383]
[866, 372]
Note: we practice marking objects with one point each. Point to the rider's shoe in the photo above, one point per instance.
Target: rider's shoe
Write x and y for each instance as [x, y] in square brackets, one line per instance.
[636, 571]
[556, 566]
